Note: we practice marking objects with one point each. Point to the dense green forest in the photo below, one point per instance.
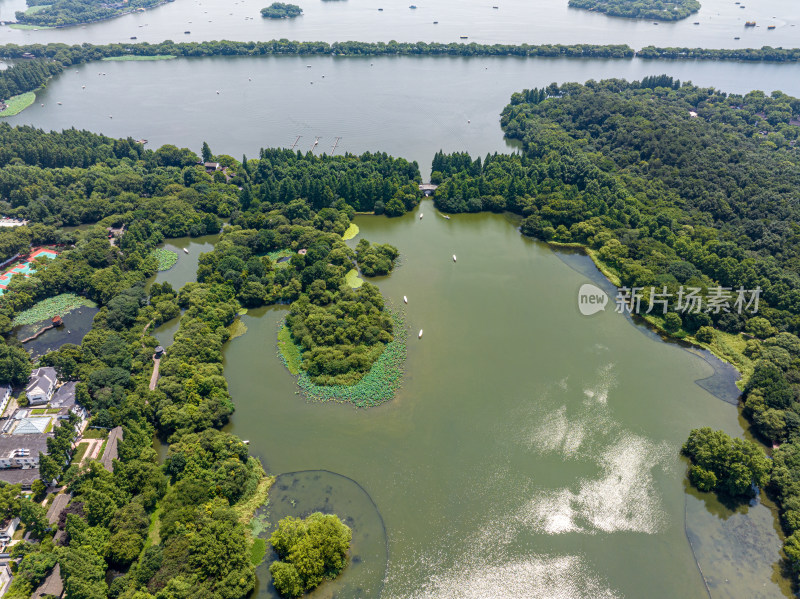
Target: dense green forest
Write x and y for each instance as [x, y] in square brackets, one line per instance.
[669, 185]
[62, 13]
[281, 10]
[662, 10]
[146, 530]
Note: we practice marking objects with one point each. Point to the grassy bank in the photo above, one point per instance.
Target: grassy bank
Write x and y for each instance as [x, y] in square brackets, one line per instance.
[47, 308]
[130, 57]
[378, 386]
[289, 352]
[16, 104]
[25, 26]
[32, 10]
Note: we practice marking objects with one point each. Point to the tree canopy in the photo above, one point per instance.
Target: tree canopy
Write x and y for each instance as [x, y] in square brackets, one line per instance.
[311, 550]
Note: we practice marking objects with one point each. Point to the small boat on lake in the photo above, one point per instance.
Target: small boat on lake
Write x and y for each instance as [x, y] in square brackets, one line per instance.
[405, 299]
[464, 37]
[133, 37]
[436, 22]
[185, 250]
[770, 26]
[454, 257]
[750, 24]
[420, 216]
[447, 217]
[187, 32]
[420, 334]
[413, 6]
[380, 10]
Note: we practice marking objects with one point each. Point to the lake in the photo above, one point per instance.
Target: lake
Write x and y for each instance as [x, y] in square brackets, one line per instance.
[513, 22]
[406, 106]
[532, 451]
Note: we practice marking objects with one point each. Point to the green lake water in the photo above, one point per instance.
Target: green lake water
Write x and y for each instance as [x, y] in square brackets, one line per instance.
[532, 451]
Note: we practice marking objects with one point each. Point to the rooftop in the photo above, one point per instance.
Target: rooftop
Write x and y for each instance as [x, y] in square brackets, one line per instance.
[41, 377]
[111, 451]
[19, 476]
[64, 397]
[36, 425]
[52, 585]
[34, 443]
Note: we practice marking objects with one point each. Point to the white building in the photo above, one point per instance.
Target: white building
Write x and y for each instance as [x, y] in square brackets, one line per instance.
[7, 529]
[41, 385]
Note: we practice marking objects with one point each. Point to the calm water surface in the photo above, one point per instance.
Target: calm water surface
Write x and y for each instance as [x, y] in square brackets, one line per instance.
[408, 107]
[532, 451]
[514, 21]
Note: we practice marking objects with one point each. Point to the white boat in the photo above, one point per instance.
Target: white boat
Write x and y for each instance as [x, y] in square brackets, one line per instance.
[447, 217]
[185, 250]
[420, 334]
[405, 299]
[454, 257]
[420, 216]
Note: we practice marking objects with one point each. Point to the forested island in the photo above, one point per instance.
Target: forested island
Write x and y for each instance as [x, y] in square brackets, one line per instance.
[64, 13]
[281, 10]
[668, 184]
[661, 10]
[311, 550]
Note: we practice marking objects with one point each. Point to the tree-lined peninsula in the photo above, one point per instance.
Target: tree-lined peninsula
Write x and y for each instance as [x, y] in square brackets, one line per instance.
[65, 13]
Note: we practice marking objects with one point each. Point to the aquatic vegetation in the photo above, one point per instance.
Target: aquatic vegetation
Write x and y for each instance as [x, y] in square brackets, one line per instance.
[352, 279]
[288, 351]
[136, 57]
[17, 104]
[47, 308]
[378, 386]
[351, 232]
[24, 26]
[237, 328]
[166, 258]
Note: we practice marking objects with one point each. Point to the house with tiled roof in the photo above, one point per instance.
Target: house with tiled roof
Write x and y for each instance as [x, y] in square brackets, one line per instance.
[41, 385]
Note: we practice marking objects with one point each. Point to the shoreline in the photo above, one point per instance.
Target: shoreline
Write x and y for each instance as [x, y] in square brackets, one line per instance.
[23, 25]
[653, 323]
